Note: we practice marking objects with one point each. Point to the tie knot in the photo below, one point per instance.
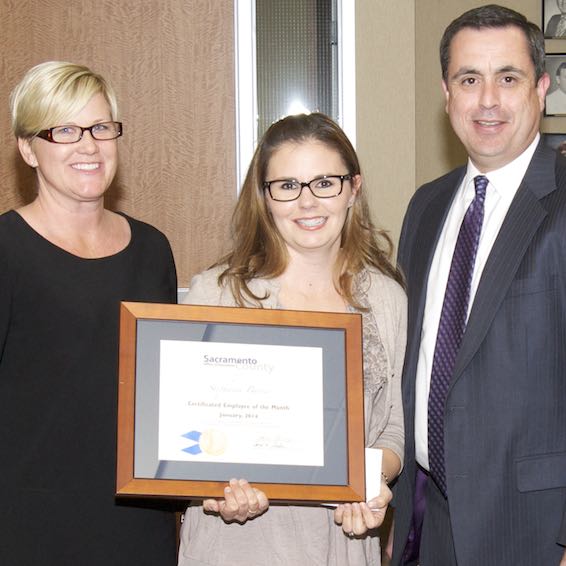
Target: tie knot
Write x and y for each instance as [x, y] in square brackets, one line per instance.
[480, 183]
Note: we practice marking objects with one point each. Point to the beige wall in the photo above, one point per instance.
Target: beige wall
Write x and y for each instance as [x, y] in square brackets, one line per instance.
[172, 64]
[385, 106]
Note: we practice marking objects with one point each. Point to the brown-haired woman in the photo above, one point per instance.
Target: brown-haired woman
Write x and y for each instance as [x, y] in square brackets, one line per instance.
[303, 239]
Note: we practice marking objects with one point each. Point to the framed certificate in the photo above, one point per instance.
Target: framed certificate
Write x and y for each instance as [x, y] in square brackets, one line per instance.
[211, 393]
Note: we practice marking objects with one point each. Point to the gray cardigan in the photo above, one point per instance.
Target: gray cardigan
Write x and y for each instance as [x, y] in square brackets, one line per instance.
[387, 301]
[287, 535]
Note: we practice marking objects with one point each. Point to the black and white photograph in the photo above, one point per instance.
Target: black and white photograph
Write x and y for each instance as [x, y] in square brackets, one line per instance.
[556, 141]
[554, 18]
[556, 97]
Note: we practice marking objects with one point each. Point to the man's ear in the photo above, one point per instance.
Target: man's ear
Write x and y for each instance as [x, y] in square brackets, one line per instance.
[446, 95]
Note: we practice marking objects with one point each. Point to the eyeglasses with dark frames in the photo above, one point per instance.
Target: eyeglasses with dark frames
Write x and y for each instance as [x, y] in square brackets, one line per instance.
[102, 131]
[324, 186]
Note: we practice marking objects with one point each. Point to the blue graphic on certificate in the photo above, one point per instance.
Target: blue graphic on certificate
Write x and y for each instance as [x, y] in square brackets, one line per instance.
[210, 441]
[241, 403]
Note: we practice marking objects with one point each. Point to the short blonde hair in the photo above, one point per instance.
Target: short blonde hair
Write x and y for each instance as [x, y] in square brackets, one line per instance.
[53, 91]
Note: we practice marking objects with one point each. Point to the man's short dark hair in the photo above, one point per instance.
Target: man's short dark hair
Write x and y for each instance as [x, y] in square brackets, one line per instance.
[561, 67]
[494, 16]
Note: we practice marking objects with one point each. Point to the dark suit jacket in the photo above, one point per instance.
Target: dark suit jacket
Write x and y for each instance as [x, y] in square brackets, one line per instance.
[505, 424]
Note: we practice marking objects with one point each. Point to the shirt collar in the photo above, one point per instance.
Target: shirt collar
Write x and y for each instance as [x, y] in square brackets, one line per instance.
[507, 179]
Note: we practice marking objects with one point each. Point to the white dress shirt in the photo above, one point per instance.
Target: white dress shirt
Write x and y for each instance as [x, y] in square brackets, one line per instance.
[502, 187]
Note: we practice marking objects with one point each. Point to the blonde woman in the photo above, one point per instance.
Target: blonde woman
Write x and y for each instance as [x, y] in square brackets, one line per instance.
[65, 264]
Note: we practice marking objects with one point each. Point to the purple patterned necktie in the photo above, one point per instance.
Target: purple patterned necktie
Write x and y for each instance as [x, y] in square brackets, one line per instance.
[451, 327]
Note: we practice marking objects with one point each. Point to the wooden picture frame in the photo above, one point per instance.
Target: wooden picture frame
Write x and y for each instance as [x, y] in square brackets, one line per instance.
[167, 376]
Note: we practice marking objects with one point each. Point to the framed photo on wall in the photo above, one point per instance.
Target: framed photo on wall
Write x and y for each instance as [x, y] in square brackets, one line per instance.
[554, 18]
[556, 141]
[556, 97]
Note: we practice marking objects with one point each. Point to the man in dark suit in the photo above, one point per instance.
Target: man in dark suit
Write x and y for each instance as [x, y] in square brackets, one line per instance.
[484, 253]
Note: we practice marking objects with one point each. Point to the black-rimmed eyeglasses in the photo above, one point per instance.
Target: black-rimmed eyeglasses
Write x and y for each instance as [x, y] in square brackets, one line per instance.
[325, 186]
[102, 131]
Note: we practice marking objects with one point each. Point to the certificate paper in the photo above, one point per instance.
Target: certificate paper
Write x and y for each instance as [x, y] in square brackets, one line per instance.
[241, 403]
[374, 457]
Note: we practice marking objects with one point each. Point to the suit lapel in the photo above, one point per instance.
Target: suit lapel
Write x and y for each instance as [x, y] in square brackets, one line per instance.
[518, 229]
[424, 244]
